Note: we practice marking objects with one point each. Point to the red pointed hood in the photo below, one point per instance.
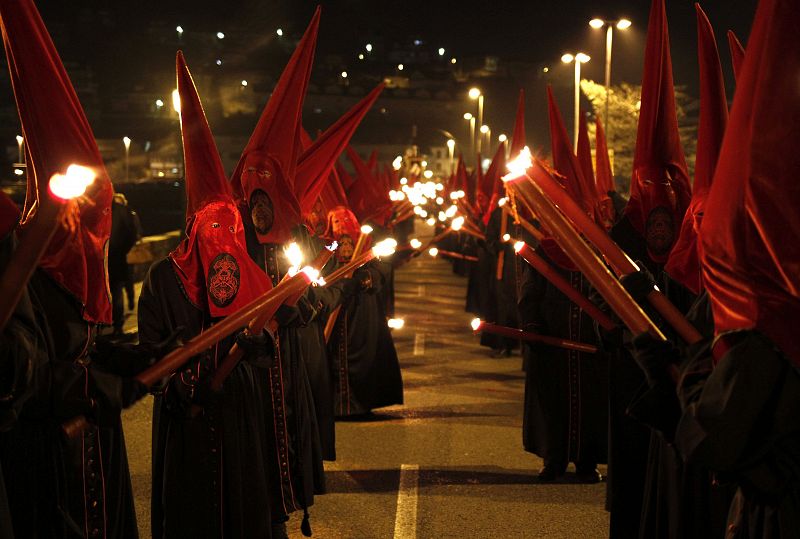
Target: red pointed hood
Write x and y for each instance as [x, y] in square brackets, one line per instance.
[317, 161]
[584, 152]
[660, 180]
[57, 134]
[751, 263]
[604, 178]
[366, 198]
[372, 162]
[212, 263]
[684, 263]
[493, 182]
[343, 228]
[518, 137]
[737, 53]
[269, 160]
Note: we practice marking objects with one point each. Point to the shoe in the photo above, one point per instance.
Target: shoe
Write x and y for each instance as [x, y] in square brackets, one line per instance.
[550, 473]
[588, 475]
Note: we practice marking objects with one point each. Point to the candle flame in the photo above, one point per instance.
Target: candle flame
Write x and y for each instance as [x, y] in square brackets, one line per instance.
[433, 251]
[385, 247]
[333, 246]
[366, 229]
[502, 202]
[476, 323]
[72, 184]
[293, 254]
[431, 221]
[415, 243]
[451, 211]
[396, 323]
[520, 165]
[518, 246]
[312, 273]
[457, 223]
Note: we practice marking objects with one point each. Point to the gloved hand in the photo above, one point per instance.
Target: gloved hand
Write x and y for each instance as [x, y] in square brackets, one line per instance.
[654, 357]
[349, 286]
[639, 284]
[203, 395]
[131, 359]
[109, 394]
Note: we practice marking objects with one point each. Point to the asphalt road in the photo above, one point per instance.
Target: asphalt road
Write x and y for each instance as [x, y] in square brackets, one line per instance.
[449, 462]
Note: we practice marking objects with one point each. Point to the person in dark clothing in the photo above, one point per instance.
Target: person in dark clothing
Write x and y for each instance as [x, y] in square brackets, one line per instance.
[124, 236]
[565, 391]
[129, 282]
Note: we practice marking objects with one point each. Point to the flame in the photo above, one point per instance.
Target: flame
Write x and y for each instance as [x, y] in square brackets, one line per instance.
[520, 165]
[385, 247]
[502, 202]
[476, 324]
[366, 229]
[333, 246]
[451, 211]
[72, 184]
[415, 243]
[457, 223]
[431, 221]
[312, 273]
[518, 246]
[293, 254]
[433, 251]
[506, 237]
[442, 216]
[396, 323]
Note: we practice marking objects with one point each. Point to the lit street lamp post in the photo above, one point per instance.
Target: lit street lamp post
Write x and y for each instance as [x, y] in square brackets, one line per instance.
[471, 119]
[127, 142]
[579, 59]
[451, 149]
[475, 93]
[20, 141]
[597, 24]
[486, 130]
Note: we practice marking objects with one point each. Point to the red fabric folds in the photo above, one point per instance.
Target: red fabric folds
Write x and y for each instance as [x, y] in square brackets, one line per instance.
[212, 263]
[604, 178]
[684, 262]
[518, 136]
[57, 135]
[751, 261]
[9, 215]
[660, 178]
[737, 53]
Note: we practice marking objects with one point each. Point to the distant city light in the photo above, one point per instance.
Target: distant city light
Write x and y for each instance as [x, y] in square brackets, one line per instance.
[424, 164]
[502, 138]
[467, 116]
[417, 42]
[179, 29]
[545, 69]
[400, 67]
[484, 129]
[596, 23]
[220, 35]
[127, 142]
[428, 174]
[219, 62]
[582, 58]
[474, 93]
[452, 60]
[361, 56]
[451, 143]
[279, 31]
[441, 51]
[159, 103]
[19, 171]
[344, 74]
[244, 83]
[624, 24]
[369, 47]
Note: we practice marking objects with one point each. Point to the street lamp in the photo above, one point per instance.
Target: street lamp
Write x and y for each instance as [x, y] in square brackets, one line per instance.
[127, 142]
[579, 59]
[597, 24]
[471, 119]
[20, 141]
[475, 93]
[451, 148]
[179, 29]
[488, 132]
[176, 101]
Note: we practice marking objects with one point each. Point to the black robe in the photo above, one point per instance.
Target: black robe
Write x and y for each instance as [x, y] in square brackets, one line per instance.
[209, 471]
[366, 372]
[60, 487]
[565, 418]
[740, 419]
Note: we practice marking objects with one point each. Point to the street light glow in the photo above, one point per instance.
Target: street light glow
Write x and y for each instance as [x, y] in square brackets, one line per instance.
[582, 58]
[179, 29]
[127, 142]
[474, 93]
[452, 60]
[244, 83]
[502, 138]
[159, 103]
[545, 69]
[441, 51]
[344, 74]
[597, 23]
[219, 62]
[369, 47]
[220, 35]
[428, 174]
[176, 101]
[484, 129]
[567, 58]
[451, 143]
[361, 56]
[279, 31]
[467, 116]
[623, 24]
[399, 67]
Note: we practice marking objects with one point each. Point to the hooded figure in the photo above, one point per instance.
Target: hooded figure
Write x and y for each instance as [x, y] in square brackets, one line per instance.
[364, 365]
[604, 178]
[740, 391]
[565, 416]
[209, 469]
[62, 487]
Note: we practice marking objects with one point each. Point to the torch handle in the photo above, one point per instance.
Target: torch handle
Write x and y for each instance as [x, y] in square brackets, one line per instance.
[26, 257]
[519, 334]
[458, 256]
[547, 271]
[348, 268]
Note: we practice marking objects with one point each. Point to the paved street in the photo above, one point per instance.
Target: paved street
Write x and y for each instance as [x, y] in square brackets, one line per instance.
[448, 463]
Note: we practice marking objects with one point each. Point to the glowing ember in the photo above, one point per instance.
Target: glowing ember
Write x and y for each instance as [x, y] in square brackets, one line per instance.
[72, 184]
[518, 166]
[518, 246]
[293, 254]
[457, 223]
[433, 251]
[396, 323]
[476, 324]
[415, 243]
